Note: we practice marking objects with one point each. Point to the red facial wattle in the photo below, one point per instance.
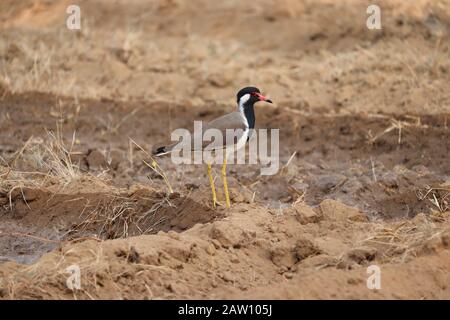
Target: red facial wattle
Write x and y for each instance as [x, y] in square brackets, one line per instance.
[261, 97]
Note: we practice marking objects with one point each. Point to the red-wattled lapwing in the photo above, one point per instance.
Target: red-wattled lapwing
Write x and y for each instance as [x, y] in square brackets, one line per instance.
[241, 121]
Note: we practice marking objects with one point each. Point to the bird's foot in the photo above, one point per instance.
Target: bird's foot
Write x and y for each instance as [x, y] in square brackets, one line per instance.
[220, 204]
[217, 204]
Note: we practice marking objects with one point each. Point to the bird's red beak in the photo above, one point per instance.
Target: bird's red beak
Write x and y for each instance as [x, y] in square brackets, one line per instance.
[262, 98]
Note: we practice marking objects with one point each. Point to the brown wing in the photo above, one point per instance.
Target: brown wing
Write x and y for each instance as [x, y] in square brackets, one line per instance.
[233, 121]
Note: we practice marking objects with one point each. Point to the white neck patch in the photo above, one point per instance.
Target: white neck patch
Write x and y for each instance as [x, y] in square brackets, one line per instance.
[242, 101]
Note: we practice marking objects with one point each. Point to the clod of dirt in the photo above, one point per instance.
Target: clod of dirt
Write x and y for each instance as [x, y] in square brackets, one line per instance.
[283, 255]
[226, 235]
[26, 194]
[286, 256]
[96, 160]
[30, 194]
[305, 214]
[3, 201]
[305, 248]
[335, 210]
[360, 255]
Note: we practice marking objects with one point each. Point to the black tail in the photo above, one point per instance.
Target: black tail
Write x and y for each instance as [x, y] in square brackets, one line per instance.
[159, 151]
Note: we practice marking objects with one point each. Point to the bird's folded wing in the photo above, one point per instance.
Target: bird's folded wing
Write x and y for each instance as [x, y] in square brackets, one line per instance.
[231, 127]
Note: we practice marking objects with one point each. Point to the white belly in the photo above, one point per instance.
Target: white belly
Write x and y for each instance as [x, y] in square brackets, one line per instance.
[240, 143]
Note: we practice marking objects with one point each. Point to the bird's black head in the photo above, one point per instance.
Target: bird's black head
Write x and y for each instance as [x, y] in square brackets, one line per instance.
[250, 95]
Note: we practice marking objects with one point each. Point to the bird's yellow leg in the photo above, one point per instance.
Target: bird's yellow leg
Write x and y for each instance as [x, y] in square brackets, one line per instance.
[224, 178]
[213, 188]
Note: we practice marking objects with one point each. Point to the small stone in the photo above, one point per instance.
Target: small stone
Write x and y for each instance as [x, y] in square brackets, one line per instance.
[227, 276]
[335, 210]
[306, 214]
[234, 259]
[289, 275]
[210, 249]
[362, 254]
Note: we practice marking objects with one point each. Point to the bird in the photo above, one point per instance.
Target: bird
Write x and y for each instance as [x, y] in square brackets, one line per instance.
[242, 120]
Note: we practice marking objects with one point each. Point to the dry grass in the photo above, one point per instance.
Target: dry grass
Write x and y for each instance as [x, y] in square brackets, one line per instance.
[114, 218]
[153, 165]
[120, 217]
[46, 164]
[401, 241]
[398, 125]
[438, 196]
[43, 163]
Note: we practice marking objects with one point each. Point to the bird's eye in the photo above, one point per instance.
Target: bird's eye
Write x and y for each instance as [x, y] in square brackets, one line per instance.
[253, 94]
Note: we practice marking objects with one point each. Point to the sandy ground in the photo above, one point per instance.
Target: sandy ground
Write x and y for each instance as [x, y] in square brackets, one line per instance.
[364, 151]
